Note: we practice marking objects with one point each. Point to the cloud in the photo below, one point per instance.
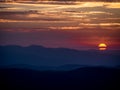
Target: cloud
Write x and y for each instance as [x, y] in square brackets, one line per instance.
[60, 25]
[59, 16]
[113, 5]
[100, 24]
[65, 28]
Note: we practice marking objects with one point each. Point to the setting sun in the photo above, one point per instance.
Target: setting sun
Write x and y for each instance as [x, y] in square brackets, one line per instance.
[102, 46]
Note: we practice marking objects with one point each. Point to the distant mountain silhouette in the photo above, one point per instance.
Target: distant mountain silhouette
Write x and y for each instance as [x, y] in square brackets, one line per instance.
[89, 78]
[37, 56]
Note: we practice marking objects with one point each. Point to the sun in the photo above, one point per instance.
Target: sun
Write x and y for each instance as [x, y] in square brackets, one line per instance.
[102, 46]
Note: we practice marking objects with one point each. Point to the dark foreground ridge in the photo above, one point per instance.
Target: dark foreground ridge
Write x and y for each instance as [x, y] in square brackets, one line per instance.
[89, 78]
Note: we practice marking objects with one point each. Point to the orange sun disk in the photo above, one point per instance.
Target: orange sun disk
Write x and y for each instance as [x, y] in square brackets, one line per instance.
[102, 46]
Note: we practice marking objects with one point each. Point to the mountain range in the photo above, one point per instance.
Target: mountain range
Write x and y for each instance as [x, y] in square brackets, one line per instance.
[39, 56]
[40, 68]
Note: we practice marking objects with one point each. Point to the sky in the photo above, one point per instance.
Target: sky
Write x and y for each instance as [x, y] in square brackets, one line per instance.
[79, 25]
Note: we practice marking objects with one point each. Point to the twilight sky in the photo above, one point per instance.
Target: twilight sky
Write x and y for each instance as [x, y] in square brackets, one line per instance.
[79, 25]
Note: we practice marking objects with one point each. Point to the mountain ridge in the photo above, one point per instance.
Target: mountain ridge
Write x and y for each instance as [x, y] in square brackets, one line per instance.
[42, 56]
[83, 78]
